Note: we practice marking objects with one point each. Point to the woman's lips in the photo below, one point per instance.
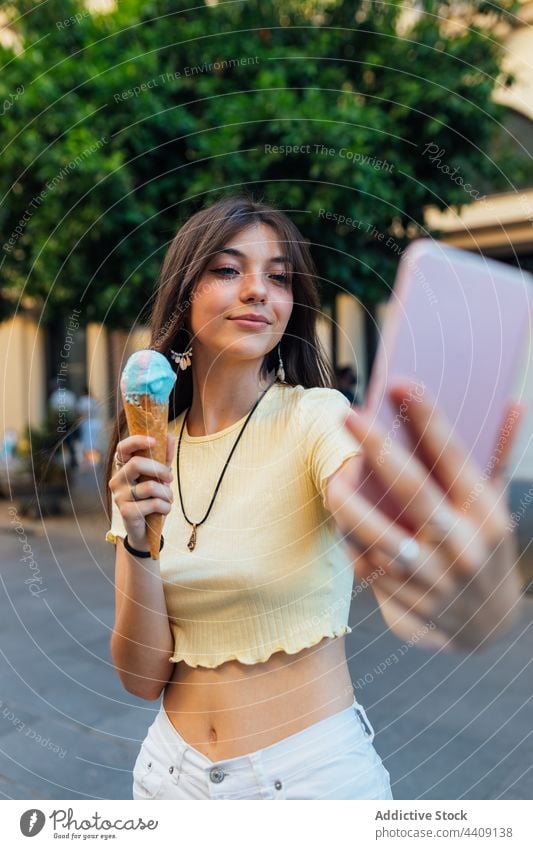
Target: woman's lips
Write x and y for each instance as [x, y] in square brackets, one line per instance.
[248, 322]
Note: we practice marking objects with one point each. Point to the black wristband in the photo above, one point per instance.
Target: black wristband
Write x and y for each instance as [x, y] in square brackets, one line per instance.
[137, 553]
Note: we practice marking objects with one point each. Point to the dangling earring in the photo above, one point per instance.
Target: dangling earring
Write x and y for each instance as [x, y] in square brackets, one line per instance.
[280, 374]
[184, 359]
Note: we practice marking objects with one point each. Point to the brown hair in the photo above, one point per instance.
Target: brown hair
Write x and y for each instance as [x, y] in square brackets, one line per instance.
[200, 238]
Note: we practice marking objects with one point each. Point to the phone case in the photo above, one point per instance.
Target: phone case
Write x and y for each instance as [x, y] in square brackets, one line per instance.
[456, 326]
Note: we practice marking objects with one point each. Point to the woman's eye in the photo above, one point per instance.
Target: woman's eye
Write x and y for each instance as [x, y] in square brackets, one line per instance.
[222, 271]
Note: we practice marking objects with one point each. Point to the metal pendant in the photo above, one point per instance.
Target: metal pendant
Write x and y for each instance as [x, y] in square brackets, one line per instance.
[192, 541]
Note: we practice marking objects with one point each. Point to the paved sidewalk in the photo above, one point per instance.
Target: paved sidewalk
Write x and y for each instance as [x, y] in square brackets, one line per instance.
[447, 726]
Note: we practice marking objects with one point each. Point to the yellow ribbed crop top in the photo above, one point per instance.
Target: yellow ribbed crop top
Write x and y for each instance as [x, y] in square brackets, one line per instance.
[270, 571]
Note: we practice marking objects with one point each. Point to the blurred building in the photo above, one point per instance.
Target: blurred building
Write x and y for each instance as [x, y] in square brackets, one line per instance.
[501, 225]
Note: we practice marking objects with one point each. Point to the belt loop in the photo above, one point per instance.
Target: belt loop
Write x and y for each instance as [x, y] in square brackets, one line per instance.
[261, 779]
[367, 725]
[185, 749]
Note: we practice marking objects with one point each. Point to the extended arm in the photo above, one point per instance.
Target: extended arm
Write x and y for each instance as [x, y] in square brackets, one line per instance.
[464, 581]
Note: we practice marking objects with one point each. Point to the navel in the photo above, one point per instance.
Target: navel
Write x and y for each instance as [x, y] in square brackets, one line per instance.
[212, 735]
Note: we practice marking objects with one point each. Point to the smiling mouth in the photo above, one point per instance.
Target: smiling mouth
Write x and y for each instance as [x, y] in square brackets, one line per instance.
[260, 322]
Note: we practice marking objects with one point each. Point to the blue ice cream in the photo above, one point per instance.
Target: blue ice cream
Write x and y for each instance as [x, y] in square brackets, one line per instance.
[147, 373]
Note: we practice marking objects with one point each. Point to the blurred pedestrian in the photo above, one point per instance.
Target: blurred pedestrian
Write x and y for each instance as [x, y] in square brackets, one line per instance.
[8, 447]
[347, 383]
[88, 409]
[62, 404]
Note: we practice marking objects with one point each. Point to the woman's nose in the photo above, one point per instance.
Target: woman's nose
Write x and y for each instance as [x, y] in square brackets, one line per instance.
[253, 284]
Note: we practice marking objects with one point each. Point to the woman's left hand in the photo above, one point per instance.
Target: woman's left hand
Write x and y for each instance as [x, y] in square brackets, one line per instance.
[462, 580]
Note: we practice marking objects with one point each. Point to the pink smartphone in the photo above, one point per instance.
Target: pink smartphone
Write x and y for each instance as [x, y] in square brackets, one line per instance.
[457, 325]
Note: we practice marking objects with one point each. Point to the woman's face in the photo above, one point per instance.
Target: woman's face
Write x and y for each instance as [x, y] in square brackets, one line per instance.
[248, 276]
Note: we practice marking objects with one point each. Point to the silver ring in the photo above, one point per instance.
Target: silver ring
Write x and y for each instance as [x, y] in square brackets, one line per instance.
[435, 530]
[408, 553]
[438, 525]
[118, 462]
[133, 489]
[406, 558]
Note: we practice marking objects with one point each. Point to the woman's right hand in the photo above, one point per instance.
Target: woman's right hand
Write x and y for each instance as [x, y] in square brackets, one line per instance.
[148, 479]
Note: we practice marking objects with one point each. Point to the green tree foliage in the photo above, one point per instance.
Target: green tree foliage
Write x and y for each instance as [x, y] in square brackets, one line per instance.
[116, 126]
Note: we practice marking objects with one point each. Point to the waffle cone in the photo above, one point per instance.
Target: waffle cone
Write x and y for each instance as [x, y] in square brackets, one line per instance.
[149, 419]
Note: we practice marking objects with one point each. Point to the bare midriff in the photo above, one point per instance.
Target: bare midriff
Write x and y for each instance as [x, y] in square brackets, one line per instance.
[237, 708]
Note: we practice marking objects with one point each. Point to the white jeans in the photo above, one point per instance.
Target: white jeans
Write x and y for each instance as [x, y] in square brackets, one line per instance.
[331, 759]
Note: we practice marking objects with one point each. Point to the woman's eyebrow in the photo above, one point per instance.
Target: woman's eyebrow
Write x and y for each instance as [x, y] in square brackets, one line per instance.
[235, 252]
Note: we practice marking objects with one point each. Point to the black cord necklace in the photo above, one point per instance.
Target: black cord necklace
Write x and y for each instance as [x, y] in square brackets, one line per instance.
[192, 541]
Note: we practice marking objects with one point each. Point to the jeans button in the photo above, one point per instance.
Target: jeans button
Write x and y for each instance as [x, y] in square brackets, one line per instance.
[216, 774]
[278, 785]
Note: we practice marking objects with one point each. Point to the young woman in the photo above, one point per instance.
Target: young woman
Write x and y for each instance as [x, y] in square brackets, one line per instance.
[240, 623]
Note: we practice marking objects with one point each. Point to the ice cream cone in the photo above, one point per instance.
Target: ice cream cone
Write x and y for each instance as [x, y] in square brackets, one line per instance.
[146, 383]
[149, 419]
